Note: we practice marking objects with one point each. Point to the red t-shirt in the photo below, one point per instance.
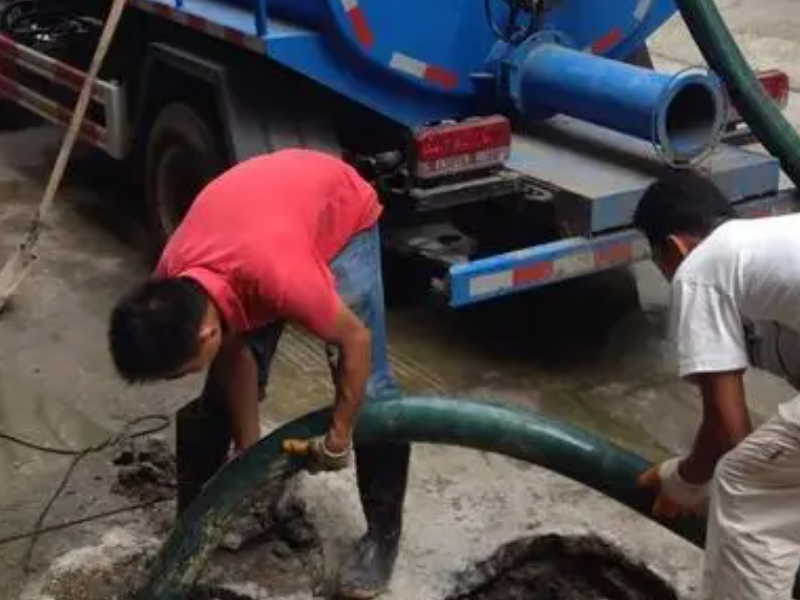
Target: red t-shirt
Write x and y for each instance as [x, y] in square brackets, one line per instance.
[259, 238]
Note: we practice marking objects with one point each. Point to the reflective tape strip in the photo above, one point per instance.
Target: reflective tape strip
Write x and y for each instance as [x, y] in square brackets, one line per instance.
[9, 47]
[642, 9]
[359, 22]
[615, 36]
[48, 109]
[46, 66]
[582, 258]
[417, 68]
[408, 65]
[608, 41]
[447, 79]
[228, 34]
[533, 273]
[573, 264]
[492, 283]
[612, 254]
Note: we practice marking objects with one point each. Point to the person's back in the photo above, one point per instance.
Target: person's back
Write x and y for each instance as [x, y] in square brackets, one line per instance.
[290, 237]
[735, 303]
[259, 237]
[756, 262]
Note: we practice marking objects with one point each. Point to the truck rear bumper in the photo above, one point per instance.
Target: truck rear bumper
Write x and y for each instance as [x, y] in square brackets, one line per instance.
[544, 264]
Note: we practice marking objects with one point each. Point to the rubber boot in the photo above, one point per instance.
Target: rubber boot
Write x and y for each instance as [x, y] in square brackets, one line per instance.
[382, 472]
[202, 439]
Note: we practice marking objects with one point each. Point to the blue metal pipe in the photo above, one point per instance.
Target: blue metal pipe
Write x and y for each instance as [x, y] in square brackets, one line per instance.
[682, 114]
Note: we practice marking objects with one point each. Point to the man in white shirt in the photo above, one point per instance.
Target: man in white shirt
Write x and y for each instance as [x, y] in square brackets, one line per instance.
[735, 303]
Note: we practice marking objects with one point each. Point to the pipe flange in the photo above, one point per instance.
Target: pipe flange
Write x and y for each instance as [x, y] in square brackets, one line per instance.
[687, 150]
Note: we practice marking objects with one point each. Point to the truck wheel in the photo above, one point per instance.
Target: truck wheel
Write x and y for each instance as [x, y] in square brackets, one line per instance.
[182, 156]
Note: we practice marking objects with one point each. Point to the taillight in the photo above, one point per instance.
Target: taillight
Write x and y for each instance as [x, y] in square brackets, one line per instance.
[454, 148]
[775, 84]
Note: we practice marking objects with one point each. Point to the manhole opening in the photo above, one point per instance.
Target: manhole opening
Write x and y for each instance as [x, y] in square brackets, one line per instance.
[554, 567]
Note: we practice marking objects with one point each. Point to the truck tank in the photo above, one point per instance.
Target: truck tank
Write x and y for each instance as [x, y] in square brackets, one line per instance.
[419, 62]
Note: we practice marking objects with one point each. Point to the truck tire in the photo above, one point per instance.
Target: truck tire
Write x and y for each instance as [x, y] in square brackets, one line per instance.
[182, 155]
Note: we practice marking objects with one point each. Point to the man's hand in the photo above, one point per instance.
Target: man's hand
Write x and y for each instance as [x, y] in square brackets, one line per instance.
[675, 496]
[681, 484]
[320, 455]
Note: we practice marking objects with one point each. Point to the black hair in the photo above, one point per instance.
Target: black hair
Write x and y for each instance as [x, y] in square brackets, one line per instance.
[681, 203]
[154, 328]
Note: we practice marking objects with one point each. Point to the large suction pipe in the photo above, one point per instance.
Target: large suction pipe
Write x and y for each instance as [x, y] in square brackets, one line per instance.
[515, 432]
[682, 114]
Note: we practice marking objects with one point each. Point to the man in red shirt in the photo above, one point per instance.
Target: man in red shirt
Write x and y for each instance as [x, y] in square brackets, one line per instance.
[290, 236]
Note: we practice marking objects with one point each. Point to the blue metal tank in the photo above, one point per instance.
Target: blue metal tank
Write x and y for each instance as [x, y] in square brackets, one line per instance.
[419, 61]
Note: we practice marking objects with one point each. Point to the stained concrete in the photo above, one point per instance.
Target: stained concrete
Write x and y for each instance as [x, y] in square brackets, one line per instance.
[597, 368]
[591, 352]
[606, 369]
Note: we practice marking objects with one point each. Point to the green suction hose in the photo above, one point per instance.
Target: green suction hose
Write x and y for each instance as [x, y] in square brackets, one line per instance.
[515, 432]
[759, 111]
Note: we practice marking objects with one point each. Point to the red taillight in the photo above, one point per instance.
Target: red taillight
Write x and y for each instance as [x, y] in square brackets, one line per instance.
[454, 148]
[775, 84]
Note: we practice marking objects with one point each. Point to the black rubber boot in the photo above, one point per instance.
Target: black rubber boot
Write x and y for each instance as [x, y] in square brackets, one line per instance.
[202, 440]
[382, 472]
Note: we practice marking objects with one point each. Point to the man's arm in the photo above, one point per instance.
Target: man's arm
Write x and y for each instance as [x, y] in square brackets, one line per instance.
[234, 378]
[354, 341]
[680, 485]
[726, 422]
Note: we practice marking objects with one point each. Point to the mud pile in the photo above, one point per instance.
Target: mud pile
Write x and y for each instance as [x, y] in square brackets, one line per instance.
[270, 544]
[553, 567]
[145, 470]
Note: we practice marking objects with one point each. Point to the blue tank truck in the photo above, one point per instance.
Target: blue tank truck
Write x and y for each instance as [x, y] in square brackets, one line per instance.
[509, 139]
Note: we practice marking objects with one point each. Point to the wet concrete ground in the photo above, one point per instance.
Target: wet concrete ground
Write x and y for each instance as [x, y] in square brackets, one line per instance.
[591, 352]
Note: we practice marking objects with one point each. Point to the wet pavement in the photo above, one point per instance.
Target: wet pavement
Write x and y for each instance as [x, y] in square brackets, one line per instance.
[591, 352]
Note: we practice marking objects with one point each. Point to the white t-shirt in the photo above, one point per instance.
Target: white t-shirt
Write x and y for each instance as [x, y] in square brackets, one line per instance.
[741, 278]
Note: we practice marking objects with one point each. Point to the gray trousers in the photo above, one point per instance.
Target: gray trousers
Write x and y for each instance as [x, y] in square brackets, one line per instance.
[753, 539]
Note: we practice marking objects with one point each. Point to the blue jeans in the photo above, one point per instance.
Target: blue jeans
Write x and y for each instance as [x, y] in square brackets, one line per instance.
[381, 469]
[359, 282]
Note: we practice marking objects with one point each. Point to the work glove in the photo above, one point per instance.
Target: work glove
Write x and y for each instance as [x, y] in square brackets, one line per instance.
[318, 457]
[676, 497]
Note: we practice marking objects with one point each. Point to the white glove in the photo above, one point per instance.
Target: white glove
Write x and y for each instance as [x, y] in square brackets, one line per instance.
[677, 489]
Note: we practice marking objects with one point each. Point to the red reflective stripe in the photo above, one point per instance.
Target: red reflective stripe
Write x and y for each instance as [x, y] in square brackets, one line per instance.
[8, 46]
[195, 22]
[162, 9]
[361, 27]
[8, 66]
[531, 273]
[92, 131]
[68, 74]
[612, 38]
[62, 114]
[447, 79]
[9, 89]
[606, 256]
[233, 36]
